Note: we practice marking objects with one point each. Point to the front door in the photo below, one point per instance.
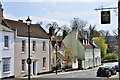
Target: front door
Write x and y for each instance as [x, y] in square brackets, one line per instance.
[34, 67]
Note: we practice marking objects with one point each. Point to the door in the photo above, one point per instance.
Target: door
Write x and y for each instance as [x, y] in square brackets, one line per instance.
[34, 68]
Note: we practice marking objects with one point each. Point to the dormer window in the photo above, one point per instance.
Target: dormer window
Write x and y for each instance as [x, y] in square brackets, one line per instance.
[83, 41]
[86, 41]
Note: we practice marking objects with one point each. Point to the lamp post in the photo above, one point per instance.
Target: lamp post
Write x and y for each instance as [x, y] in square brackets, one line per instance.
[119, 37]
[56, 56]
[28, 21]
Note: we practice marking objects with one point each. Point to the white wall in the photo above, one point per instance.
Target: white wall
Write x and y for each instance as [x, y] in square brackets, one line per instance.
[75, 65]
[7, 53]
[97, 54]
[88, 58]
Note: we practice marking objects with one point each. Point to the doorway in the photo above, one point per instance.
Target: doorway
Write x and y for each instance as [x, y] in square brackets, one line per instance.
[34, 68]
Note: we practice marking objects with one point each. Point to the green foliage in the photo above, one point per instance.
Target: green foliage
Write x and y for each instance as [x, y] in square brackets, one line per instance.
[110, 57]
[100, 41]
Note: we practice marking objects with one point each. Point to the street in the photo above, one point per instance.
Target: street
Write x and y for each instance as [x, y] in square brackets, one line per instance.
[89, 73]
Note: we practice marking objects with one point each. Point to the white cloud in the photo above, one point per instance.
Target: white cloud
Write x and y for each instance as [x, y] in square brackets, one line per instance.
[59, 0]
[9, 16]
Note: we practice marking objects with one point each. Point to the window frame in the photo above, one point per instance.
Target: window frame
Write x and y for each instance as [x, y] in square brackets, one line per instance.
[6, 47]
[23, 49]
[44, 46]
[6, 65]
[34, 46]
[44, 63]
[23, 66]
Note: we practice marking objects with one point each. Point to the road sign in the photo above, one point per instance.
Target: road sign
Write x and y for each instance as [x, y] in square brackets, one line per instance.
[105, 17]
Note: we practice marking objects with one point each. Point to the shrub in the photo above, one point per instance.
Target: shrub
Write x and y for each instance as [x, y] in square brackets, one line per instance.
[110, 57]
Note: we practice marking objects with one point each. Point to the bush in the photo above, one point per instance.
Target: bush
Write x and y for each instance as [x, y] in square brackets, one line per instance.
[110, 57]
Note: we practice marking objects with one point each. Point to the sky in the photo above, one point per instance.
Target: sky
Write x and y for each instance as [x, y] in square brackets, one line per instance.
[61, 11]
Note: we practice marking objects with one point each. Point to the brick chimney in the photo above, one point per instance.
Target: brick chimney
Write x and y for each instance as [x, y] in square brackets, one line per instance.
[20, 20]
[51, 31]
[1, 13]
[64, 33]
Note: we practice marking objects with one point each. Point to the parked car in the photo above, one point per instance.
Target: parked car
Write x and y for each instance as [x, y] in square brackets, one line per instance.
[112, 69]
[103, 71]
[116, 68]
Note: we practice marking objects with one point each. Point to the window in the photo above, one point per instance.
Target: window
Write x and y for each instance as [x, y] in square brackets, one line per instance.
[43, 46]
[23, 45]
[33, 46]
[6, 41]
[23, 64]
[44, 62]
[75, 61]
[6, 65]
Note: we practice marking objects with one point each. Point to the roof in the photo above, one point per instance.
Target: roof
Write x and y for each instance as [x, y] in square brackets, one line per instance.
[94, 45]
[36, 30]
[87, 46]
[79, 36]
[60, 55]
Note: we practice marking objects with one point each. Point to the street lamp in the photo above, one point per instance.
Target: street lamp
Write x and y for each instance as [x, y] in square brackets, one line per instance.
[56, 49]
[28, 21]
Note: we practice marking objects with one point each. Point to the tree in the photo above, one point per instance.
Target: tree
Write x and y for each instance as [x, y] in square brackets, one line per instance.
[91, 31]
[54, 26]
[100, 41]
[104, 33]
[78, 24]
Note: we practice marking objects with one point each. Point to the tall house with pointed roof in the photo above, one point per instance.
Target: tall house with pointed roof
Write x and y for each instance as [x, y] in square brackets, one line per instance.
[82, 51]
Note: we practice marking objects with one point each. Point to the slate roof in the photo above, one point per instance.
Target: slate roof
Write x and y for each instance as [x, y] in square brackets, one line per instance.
[21, 28]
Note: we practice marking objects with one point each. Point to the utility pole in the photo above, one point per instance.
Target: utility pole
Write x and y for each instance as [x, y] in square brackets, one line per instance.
[119, 36]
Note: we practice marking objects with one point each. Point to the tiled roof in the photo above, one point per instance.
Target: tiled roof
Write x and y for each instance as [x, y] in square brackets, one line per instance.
[60, 55]
[36, 30]
[87, 46]
[79, 37]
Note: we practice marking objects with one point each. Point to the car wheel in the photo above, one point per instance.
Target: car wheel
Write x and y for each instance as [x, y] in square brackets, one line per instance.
[115, 73]
[98, 75]
[109, 74]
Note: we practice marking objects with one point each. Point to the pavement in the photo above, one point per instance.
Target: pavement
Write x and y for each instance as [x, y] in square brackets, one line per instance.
[59, 73]
[89, 73]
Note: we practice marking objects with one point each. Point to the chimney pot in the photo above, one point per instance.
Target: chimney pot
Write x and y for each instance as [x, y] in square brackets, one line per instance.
[20, 20]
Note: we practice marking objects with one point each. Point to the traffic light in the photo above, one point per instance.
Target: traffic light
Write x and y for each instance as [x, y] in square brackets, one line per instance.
[105, 17]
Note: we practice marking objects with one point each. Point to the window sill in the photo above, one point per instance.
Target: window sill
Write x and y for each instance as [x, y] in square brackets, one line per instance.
[33, 52]
[6, 72]
[23, 71]
[23, 52]
[43, 51]
[6, 48]
[43, 68]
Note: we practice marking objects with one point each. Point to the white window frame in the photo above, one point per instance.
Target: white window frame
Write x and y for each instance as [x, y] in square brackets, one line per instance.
[33, 46]
[23, 65]
[6, 65]
[23, 51]
[6, 47]
[44, 46]
[44, 63]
